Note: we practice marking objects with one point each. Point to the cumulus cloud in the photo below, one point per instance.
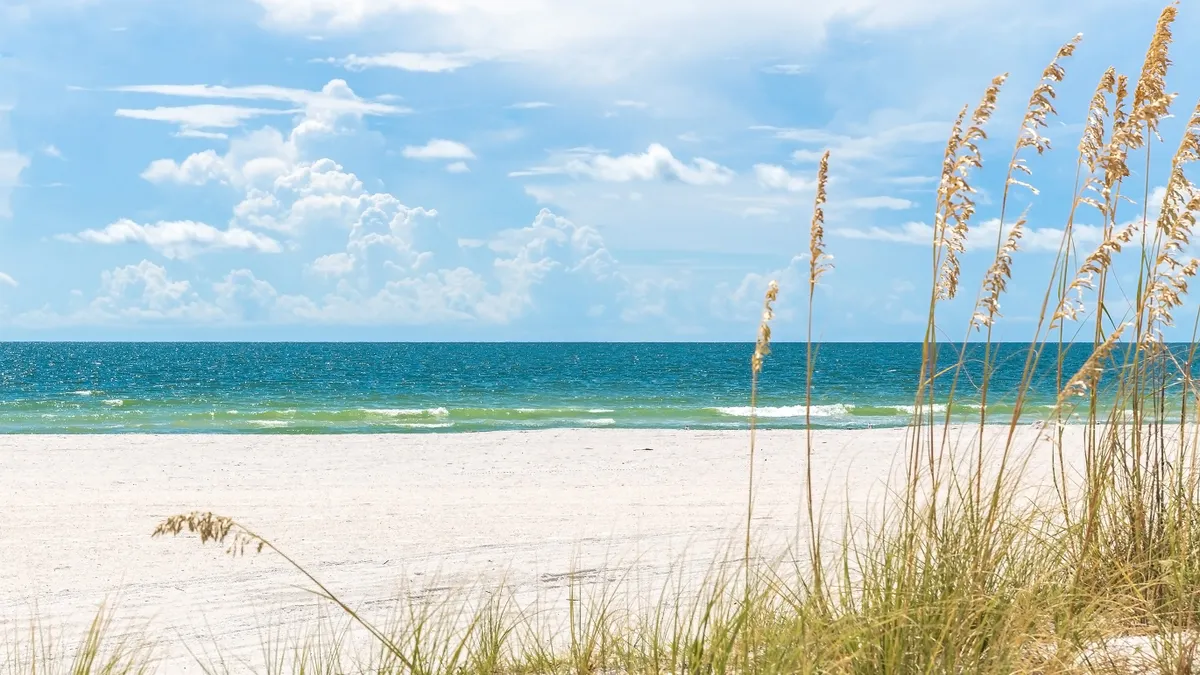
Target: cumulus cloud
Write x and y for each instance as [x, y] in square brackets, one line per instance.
[177, 239]
[656, 163]
[197, 169]
[333, 265]
[421, 62]
[380, 276]
[144, 292]
[458, 167]
[776, 177]
[439, 148]
[531, 105]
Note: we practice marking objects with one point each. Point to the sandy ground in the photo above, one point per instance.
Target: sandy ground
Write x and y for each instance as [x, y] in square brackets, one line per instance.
[372, 515]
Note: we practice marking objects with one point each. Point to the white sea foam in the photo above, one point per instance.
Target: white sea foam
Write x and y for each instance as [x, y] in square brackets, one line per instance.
[601, 422]
[114, 402]
[424, 425]
[909, 410]
[787, 411]
[406, 412]
[600, 411]
[83, 392]
[270, 423]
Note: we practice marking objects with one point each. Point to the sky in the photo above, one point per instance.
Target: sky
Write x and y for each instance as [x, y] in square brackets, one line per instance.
[522, 169]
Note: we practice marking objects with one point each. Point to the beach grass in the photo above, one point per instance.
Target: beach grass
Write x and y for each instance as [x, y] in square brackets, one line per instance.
[973, 566]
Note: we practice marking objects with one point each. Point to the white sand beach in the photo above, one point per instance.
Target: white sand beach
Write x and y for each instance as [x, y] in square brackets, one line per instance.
[371, 515]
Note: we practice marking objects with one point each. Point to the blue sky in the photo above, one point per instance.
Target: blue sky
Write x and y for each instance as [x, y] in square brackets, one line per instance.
[516, 169]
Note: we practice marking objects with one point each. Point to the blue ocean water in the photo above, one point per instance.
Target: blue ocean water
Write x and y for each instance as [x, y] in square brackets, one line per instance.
[410, 387]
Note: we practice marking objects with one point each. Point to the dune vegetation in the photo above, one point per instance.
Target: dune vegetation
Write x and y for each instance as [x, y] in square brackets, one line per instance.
[973, 567]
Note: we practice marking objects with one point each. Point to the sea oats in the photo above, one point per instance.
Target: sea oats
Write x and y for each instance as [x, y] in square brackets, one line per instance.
[1091, 143]
[211, 527]
[762, 346]
[1040, 108]
[955, 206]
[1088, 375]
[1150, 98]
[996, 280]
[817, 258]
[1174, 230]
[1037, 112]
[1094, 265]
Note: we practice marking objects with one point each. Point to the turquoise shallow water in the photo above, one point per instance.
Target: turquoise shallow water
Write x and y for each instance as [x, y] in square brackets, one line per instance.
[405, 387]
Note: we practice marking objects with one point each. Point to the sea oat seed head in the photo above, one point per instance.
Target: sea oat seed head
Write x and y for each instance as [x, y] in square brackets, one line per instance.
[818, 260]
[762, 346]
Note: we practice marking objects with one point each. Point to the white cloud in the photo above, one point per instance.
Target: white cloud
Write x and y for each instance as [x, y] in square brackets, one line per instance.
[439, 148]
[133, 293]
[777, 177]
[12, 164]
[335, 97]
[379, 284]
[206, 135]
[312, 195]
[195, 118]
[531, 105]
[880, 202]
[759, 212]
[912, 180]
[851, 149]
[689, 137]
[626, 103]
[421, 62]
[458, 167]
[744, 301]
[654, 164]
[177, 239]
[980, 237]
[52, 151]
[540, 194]
[334, 264]
[197, 169]
[787, 69]
[7, 280]
[611, 28]
[908, 233]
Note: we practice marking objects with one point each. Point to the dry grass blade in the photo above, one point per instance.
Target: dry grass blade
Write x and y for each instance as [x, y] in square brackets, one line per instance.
[996, 280]
[818, 260]
[211, 527]
[1151, 101]
[1040, 108]
[955, 206]
[1174, 229]
[817, 267]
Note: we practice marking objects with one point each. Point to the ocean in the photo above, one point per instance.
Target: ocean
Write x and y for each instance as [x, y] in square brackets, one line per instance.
[463, 387]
